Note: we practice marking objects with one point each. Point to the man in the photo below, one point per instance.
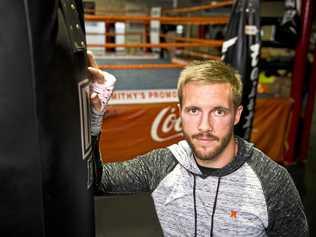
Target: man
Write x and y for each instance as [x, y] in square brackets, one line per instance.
[212, 183]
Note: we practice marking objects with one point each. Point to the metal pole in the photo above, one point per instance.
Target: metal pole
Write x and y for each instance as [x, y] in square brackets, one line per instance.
[298, 78]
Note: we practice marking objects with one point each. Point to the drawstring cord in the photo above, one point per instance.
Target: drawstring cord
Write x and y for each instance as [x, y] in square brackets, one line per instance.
[214, 206]
[194, 200]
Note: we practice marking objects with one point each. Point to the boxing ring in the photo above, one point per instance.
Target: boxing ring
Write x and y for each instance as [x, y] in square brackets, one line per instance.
[143, 113]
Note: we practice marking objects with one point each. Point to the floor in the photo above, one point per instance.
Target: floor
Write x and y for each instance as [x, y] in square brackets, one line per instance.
[126, 216]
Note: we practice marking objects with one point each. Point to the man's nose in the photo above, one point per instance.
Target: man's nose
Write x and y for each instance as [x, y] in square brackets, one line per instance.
[205, 123]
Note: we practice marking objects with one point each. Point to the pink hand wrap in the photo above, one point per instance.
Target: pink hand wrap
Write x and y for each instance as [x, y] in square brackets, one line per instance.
[104, 92]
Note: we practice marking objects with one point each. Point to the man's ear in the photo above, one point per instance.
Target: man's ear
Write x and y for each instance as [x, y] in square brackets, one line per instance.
[238, 114]
[180, 109]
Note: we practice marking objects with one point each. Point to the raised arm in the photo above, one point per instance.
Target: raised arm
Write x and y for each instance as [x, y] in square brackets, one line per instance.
[141, 174]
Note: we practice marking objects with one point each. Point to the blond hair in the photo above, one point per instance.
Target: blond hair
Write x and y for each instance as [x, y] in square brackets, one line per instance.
[211, 71]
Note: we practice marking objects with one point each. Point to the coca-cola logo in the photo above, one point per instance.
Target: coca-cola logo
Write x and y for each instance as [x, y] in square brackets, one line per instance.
[167, 125]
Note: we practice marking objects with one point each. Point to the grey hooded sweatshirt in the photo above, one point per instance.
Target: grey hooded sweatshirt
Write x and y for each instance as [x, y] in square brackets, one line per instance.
[251, 196]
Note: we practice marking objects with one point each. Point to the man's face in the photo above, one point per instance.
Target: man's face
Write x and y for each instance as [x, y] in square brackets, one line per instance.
[208, 118]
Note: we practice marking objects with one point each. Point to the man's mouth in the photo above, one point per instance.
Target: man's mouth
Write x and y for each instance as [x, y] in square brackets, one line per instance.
[205, 137]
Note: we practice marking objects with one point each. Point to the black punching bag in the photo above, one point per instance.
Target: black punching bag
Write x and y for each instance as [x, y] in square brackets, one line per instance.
[241, 50]
[21, 197]
[46, 144]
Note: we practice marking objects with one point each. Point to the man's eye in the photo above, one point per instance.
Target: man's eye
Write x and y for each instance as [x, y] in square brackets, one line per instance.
[193, 111]
[219, 112]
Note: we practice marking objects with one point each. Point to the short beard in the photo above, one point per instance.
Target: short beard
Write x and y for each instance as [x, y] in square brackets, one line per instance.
[213, 154]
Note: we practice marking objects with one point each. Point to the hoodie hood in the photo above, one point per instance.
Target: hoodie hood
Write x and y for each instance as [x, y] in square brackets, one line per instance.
[184, 155]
